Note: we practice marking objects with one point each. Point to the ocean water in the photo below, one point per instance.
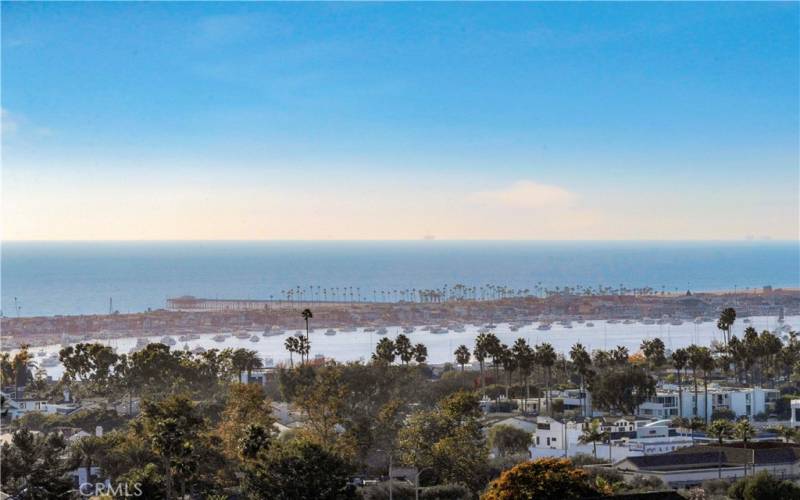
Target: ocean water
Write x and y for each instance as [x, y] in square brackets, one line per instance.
[79, 277]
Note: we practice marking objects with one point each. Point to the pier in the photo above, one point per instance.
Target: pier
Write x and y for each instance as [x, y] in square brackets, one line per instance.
[191, 303]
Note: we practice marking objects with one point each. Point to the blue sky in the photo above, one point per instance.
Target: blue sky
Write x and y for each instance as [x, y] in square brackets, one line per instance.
[394, 121]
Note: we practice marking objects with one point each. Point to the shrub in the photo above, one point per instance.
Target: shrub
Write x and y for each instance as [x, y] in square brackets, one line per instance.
[763, 486]
[644, 484]
[508, 440]
[445, 492]
[502, 407]
[543, 479]
[723, 414]
[716, 487]
[581, 459]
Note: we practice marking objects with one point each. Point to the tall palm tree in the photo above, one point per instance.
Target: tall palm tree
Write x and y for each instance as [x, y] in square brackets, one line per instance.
[582, 361]
[725, 323]
[481, 351]
[495, 350]
[307, 315]
[303, 348]
[546, 356]
[707, 364]
[680, 358]
[462, 356]
[524, 356]
[695, 358]
[509, 364]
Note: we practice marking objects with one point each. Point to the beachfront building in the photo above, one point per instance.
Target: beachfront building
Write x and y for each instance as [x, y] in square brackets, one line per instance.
[743, 402]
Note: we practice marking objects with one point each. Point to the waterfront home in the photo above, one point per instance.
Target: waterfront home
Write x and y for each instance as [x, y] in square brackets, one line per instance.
[15, 408]
[742, 401]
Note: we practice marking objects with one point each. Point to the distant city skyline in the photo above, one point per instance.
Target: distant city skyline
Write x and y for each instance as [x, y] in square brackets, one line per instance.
[315, 121]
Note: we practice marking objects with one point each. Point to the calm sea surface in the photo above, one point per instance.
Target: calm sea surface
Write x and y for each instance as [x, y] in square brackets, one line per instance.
[78, 278]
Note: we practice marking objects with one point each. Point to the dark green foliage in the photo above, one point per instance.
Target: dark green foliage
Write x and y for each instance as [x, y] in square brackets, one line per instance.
[507, 440]
[404, 491]
[723, 414]
[33, 467]
[763, 486]
[298, 470]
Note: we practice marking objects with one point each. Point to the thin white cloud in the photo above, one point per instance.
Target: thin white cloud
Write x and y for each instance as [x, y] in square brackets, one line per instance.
[527, 194]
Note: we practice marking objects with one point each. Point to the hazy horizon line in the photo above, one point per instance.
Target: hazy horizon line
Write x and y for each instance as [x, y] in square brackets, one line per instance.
[404, 240]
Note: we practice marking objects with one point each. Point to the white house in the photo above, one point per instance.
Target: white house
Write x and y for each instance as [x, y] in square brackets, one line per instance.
[743, 402]
[555, 434]
[795, 418]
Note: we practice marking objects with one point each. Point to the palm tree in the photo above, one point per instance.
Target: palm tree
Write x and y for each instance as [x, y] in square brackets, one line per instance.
[721, 430]
[384, 351]
[546, 356]
[695, 359]
[725, 322]
[462, 356]
[787, 434]
[707, 364]
[303, 348]
[307, 315]
[582, 360]
[86, 450]
[744, 430]
[403, 348]
[525, 357]
[420, 353]
[496, 352]
[509, 364]
[292, 345]
[593, 434]
[696, 424]
[480, 352]
[679, 360]
[252, 361]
